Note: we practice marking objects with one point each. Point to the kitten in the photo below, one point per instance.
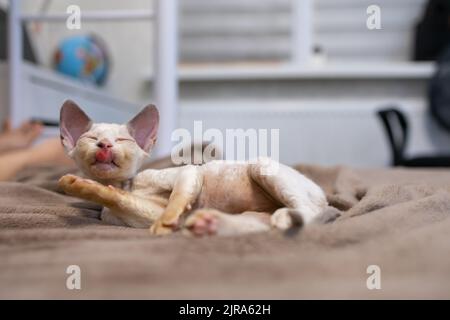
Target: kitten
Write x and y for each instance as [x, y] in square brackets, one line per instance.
[219, 197]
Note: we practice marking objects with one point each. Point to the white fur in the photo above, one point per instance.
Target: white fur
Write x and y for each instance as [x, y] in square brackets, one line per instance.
[128, 155]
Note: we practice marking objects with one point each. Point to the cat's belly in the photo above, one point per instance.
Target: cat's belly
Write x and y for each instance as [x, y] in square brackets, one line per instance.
[230, 188]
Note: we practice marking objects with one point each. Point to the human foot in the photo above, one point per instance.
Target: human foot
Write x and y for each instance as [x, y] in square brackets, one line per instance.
[19, 138]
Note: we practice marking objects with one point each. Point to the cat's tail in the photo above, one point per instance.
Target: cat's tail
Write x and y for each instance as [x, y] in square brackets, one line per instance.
[290, 221]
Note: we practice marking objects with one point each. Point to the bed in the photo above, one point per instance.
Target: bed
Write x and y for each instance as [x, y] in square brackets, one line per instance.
[396, 219]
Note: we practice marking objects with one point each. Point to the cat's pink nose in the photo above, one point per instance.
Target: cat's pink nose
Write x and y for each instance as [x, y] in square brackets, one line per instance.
[104, 143]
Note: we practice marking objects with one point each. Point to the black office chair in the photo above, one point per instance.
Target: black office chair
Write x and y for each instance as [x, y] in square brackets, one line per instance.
[396, 127]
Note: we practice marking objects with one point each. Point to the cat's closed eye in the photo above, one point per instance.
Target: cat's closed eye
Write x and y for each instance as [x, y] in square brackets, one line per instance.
[91, 137]
[124, 139]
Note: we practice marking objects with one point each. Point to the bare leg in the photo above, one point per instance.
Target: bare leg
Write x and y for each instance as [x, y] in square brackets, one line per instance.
[134, 211]
[302, 198]
[47, 152]
[206, 222]
[13, 162]
[186, 189]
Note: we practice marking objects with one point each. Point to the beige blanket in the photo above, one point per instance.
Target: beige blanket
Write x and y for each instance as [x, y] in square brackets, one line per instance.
[398, 220]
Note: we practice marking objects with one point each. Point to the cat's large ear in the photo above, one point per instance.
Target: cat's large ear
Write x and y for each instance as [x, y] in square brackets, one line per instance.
[73, 122]
[144, 127]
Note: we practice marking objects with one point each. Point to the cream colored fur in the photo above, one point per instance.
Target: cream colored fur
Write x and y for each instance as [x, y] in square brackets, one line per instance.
[219, 197]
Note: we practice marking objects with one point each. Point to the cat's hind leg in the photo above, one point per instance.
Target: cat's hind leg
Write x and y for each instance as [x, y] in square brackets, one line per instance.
[303, 200]
[134, 211]
[207, 222]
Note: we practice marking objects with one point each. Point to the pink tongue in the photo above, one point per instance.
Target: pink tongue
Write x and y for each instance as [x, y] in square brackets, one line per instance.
[103, 155]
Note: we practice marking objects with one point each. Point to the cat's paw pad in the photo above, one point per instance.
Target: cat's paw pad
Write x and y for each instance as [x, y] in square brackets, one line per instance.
[203, 223]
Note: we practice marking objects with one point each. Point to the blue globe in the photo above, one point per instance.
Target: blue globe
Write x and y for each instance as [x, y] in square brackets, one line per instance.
[83, 57]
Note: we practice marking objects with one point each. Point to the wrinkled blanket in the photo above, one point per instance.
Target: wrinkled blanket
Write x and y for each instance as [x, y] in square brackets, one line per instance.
[397, 220]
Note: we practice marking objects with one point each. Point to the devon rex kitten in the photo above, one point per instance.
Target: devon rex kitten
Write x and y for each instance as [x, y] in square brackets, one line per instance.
[219, 197]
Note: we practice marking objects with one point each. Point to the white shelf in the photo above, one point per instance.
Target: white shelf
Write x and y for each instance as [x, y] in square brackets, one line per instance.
[106, 15]
[286, 71]
[376, 70]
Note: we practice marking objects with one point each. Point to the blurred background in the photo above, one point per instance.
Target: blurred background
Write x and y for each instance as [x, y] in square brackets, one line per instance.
[318, 70]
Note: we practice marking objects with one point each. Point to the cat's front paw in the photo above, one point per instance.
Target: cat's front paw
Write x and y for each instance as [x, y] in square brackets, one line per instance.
[159, 229]
[88, 189]
[74, 185]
